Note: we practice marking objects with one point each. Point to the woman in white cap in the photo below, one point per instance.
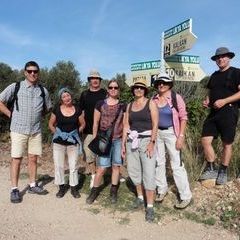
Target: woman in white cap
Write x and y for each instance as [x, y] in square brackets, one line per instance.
[171, 130]
[65, 123]
[138, 145]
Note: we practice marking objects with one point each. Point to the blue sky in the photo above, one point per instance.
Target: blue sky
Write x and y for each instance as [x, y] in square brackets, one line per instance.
[111, 34]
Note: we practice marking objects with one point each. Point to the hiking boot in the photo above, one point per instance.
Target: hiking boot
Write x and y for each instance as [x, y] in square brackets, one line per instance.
[61, 192]
[222, 177]
[209, 174]
[138, 203]
[75, 193]
[37, 190]
[93, 195]
[183, 204]
[15, 196]
[113, 194]
[160, 197]
[149, 216]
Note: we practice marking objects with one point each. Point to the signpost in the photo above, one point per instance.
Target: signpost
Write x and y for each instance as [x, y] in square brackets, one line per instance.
[177, 39]
[184, 68]
[179, 68]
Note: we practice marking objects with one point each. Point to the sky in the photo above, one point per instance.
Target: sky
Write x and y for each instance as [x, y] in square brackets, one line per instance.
[110, 35]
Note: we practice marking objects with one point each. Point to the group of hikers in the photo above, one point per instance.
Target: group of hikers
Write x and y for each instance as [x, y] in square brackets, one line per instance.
[143, 132]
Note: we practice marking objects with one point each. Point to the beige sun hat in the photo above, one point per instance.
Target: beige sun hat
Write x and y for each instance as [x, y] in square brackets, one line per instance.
[94, 74]
[140, 82]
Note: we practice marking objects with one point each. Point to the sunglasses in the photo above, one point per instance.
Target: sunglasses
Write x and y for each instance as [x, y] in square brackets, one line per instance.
[164, 83]
[32, 71]
[115, 88]
[139, 87]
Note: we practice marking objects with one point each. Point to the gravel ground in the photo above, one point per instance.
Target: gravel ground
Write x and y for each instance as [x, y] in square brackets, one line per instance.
[46, 217]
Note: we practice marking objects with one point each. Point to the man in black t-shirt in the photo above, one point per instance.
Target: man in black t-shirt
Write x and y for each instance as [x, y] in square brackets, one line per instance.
[223, 100]
[88, 100]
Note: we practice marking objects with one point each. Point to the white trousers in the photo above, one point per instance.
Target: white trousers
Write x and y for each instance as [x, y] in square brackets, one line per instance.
[59, 152]
[166, 141]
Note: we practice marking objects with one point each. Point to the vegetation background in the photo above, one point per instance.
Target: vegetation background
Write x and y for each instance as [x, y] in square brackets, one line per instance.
[213, 204]
[65, 74]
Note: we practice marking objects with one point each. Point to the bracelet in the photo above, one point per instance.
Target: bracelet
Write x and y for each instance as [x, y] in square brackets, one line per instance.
[181, 135]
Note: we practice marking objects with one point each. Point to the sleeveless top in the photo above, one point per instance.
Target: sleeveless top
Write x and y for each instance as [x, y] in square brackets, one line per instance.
[140, 121]
[165, 116]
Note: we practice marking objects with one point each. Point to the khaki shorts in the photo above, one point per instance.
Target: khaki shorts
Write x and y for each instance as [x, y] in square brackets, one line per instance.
[89, 156]
[19, 142]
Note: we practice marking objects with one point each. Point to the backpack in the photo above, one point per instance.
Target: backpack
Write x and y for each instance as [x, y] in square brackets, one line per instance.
[10, 104]
[174, 100]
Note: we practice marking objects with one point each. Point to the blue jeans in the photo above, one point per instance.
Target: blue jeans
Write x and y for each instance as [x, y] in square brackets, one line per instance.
[114, 157]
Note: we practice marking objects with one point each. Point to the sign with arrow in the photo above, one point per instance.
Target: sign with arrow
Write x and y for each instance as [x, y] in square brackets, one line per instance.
[178, 38]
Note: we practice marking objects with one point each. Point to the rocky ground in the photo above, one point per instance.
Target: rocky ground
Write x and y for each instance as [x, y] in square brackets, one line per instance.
[215, 213]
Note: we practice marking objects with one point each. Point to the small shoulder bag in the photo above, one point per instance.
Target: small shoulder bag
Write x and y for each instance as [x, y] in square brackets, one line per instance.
[101, 144]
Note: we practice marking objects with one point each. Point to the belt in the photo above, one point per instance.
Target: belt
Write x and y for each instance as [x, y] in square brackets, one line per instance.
[139, 136]
[163, 128]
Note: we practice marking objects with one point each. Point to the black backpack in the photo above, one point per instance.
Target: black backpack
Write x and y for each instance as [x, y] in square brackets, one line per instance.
[174, 100]
[10, 104]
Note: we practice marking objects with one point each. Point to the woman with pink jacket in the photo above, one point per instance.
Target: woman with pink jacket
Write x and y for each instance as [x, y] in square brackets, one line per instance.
[170, 139]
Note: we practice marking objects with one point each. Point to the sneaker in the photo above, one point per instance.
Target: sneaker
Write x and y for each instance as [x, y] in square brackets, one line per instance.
[92, 181]
[209, 174]
[183, 204]
[75, 193]
[93, 195]
[61, 192]
[138, 203]
[221, 178]
[149, 216]
[15, 196]
[160, 197]
[37, 190]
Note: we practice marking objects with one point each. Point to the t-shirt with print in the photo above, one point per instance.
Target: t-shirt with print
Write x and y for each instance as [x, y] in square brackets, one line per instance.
[66, 124]
[108, 114]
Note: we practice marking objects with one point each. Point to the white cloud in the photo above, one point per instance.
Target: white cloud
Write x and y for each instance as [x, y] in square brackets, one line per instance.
[12, 36]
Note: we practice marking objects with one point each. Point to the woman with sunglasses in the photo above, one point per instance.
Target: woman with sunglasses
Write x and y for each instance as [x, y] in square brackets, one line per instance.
[65, 123]
[138, 144]
[106, 111]
[171, 129]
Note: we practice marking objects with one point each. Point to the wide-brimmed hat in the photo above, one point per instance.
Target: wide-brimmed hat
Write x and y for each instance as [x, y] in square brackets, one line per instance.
[222, 51]
[94, 74]
[140, 83]
[162, 77]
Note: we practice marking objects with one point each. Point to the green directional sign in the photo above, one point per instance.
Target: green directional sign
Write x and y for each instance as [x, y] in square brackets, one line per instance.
[145, 65]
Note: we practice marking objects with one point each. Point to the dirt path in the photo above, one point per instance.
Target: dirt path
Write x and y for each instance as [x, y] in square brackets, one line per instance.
[48, 218]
